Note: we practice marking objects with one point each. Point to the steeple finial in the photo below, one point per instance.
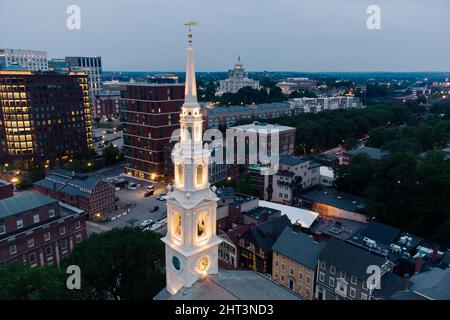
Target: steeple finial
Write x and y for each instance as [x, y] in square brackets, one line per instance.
[190, 24]
[190, 99]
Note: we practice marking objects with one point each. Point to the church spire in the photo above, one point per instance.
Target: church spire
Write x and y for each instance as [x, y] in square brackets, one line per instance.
[190, 90]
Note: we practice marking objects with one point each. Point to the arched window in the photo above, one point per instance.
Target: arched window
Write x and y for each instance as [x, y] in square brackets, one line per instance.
[177, 224]
[201, 225]
[180, 174]
[199, 174]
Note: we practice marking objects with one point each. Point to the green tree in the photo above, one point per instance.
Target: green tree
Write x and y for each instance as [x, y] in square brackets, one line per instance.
[21, 282]
[122, 264]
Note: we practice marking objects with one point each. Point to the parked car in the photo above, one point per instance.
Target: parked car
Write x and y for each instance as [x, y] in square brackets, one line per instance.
[161, 198]
[150, 187]
[146, 223]
[133, 186]
[155, 208]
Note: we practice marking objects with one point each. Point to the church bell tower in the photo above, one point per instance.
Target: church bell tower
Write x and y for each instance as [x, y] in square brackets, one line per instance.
[191, 240]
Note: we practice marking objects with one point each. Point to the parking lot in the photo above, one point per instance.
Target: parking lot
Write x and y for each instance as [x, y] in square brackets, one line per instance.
[141, 206]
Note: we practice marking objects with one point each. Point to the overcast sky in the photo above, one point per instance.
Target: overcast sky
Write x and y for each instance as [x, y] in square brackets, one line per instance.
[290, 35]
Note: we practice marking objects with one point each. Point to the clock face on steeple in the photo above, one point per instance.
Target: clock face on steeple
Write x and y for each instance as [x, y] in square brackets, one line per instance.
[203, 264]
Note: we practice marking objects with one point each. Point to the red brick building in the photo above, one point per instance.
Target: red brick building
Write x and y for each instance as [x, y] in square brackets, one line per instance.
[107, 104]
[38, 230]
[40, 114]
[91, 194]
[150, 114]
[6, 189]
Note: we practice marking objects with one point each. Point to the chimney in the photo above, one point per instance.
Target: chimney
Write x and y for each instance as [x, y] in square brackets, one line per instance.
[405, 281]
[434, 255]
[418, 264]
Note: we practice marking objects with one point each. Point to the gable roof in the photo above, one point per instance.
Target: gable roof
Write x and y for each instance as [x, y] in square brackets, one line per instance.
[350, 258]
[299, 247]
[23, 202]
[265, 234]
[64, 181]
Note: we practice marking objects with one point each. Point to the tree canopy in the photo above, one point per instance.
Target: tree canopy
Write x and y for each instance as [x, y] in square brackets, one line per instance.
[121, 264]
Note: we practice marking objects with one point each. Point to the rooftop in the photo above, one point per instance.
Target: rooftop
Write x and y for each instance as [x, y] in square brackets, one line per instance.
[336, 227]
[265, 234]
[350, 258]
[69, 182]
[23, 202]
[260, 127]
[225, 193]
[235, 285]
[299, 247]
[379, 232]
[433, 284]
[373, 153]
[297, 215]
[334, 198]
[258, 212]
[292, 160]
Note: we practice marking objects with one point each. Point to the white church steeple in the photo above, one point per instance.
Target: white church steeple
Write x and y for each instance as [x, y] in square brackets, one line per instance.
[191, 240]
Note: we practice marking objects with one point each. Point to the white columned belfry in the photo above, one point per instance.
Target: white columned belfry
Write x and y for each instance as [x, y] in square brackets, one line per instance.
[191, 240]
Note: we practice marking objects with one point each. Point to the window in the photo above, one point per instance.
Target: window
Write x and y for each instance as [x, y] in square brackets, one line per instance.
[323, 265]
[32, 258]
[307, 292]
[322, 277]
[282, 277]
[199, 175]
[331, 282]
[333, 269]
[352, 292]
[292, 271]
[300, 288]
[51, 213]
[201, 225]
[47, 236]
[78, 238]
[77, 224]
[30, 242]
[177, 224]
[48, 251]
[180, 174]
[308, 279]
[282, 266]
[343, 275]
[300, 276]
[363, 296]
[12, 249]
[62, 230]
[2, 229]
[354, 280]
[36, 218]
[19, 223]
[63, 244]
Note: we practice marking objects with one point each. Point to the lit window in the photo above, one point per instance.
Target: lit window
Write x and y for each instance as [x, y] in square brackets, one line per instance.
[177, 224]
[201, 225]
[47, 236]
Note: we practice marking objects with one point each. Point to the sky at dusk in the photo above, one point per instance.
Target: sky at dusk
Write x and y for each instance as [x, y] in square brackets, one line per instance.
[273, 35]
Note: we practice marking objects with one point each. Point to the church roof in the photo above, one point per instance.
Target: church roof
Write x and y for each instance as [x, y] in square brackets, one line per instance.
[232, 285]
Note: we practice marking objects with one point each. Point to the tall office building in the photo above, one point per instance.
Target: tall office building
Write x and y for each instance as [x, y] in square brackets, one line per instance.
[150, 114]
[58, 65]
[44, 118]
[32, 60]
[92, 66]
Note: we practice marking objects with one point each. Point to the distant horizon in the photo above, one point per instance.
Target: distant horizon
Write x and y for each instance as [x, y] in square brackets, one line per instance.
[314, 36]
